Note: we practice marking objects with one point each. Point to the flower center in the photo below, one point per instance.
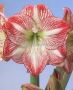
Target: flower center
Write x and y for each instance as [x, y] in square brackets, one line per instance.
[34, 37]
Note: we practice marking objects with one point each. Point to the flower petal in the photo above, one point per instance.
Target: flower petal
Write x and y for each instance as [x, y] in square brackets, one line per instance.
[24, 21]
[9, 48]
[13, 34]
[17, 55]
[68, 17]
[40, 12]
[28, 10]
[43, 11]
[55, 31]
[57, 56]
[35, 59]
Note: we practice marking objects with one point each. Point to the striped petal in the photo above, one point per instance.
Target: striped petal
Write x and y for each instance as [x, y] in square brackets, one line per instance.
[43, 11]
[35, 59]
[55, 31]
[68, 17]
[9, 48]
[28, 10]
[57, 56]
[13, 34]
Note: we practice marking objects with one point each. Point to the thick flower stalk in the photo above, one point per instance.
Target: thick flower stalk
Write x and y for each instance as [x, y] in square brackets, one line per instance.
[2, 35]
[33, 38]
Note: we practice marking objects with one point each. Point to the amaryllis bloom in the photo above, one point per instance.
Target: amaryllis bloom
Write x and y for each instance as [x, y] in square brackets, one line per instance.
[68, 17]
[67, 48]
[2, 35]
[33, 37]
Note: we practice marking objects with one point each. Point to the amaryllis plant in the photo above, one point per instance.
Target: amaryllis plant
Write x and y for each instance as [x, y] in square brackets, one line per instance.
[2, 35]
[33, 38]
[36, 38]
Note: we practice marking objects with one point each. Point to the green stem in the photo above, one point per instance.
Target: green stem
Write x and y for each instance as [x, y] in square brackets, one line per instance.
[34, 80]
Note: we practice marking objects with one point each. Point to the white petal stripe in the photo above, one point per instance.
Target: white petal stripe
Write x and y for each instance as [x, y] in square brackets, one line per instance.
[35, 57]
[56, 52]
[18, 27]
[53, 31]
[35, 15]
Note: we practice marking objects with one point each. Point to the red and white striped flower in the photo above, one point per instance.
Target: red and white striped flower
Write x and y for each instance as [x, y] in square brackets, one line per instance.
[67, 48]
[33, 38]
[68, 18]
